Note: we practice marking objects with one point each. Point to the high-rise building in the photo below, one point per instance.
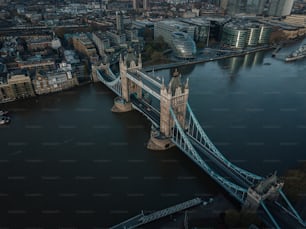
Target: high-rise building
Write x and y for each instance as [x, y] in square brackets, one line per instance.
[135, 5]
[145, 4]
[140, 4]
[119, 21]
[233, 7]
[240, 34]
[280, 8]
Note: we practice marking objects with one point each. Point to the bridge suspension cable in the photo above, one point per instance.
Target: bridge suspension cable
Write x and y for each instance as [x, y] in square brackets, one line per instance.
[195, 131]
[114, 85]
[182, 141]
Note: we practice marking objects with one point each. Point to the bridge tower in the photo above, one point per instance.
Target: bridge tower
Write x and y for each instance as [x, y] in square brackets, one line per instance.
[175, 96]
[127, 63]
[98, 66]
[265, 189]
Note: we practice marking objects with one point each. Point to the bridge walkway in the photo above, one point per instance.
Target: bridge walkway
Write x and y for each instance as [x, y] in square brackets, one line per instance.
[142, 219]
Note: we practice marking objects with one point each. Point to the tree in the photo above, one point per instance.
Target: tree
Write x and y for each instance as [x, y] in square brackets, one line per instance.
[156, 56]
[160, 44]
[295, 182]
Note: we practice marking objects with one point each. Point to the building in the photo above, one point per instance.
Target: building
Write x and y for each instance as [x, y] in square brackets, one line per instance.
[181, 32]
[234, 36]
[240, 34]
[175, 2]
[119, 21]
[145, 4]
[264, 34]
[140, 4]
[202, 27]
[280, 8]
[40, 43]
[53, 81]
[117, 39]
[296, 20]
[142, 26]
[84, 45]
[183, 46]
[166, 27]
[16, 86]
[102, 43]
[132, 35]
[254, 33]
[135, 5]
[36, 63]
[233, 7]
[6, 91]
[71, 57]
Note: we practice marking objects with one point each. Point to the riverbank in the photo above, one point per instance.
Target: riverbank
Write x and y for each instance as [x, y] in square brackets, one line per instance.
[205, 59]
[81, 84]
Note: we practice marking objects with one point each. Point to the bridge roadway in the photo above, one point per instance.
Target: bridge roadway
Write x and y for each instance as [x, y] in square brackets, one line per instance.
[107, 77]
[149, 111]
[142, 219]
[218, 165]
[139, 79]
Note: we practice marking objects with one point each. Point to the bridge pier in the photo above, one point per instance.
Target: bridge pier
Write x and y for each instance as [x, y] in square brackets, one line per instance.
[158, 141]
[121, 105]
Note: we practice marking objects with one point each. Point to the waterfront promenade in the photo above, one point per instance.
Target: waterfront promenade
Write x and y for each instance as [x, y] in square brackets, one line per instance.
[202, 58]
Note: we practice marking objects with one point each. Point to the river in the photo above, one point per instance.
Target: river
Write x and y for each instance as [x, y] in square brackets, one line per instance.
[67, 161]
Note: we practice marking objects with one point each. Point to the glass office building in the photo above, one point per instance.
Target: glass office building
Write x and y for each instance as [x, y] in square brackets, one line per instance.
[183, 46]
[240, 34]
[179, 35]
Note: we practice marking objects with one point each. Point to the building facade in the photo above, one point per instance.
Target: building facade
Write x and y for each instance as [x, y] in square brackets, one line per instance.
[240, 34]
[53, 81]
[16, 86]
[233, 7]
[84, 45]
[119, 22]
[102, 42]
[182, 45]
[179, 35]
[202, 27]
[117, 39]
[280, 8]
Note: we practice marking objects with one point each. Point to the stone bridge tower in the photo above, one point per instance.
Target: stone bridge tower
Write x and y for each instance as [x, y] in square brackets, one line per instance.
[175, 96]
[128, 63]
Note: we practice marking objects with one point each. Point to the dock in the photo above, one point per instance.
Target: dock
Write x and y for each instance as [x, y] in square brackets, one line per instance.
[143, 219]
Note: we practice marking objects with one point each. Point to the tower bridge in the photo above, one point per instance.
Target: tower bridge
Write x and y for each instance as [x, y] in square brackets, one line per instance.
[175, 124]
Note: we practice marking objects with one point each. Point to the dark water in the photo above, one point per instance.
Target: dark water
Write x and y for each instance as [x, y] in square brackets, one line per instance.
[66, 161]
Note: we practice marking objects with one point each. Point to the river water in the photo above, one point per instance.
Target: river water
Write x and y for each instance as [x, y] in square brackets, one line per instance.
[67, 161]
